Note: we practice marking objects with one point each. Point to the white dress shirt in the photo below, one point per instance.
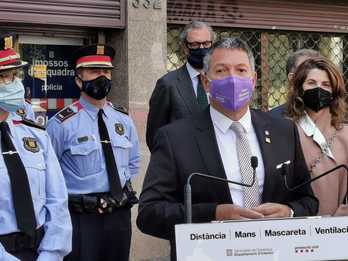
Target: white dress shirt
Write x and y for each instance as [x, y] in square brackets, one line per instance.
[226, 140]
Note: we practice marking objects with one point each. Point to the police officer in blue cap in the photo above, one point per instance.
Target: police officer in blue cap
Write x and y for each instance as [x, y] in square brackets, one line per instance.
[98, 149]
[34, 217]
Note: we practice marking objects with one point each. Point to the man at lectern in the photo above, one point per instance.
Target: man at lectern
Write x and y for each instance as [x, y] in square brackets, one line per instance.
[220, 141]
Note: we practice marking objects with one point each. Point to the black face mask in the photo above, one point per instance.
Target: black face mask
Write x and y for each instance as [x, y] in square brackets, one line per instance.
[317, 98]
[196, 56]
[97, 88]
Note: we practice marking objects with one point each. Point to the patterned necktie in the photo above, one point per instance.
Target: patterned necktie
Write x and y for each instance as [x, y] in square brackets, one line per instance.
[251, 195]
[21, 195]
[202, 99]
[110, 163]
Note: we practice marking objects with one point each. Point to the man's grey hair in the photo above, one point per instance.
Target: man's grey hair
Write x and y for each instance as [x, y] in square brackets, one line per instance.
[195, 25]
[294, 57]
[229, 43]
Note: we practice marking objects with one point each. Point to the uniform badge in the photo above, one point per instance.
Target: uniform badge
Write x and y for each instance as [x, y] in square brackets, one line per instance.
[8, 42]
[119, 128]
[21, 112]
[100, 50]
[30, 144]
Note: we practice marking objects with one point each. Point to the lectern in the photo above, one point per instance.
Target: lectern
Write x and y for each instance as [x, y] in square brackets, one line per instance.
[290, 239]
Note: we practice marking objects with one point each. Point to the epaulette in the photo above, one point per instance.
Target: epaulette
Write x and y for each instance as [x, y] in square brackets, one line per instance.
[68, 112]
[32, 124]
[118, 108]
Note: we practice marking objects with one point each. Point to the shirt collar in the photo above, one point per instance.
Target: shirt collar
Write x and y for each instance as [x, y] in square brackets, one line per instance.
[307, 125]
[223, 123]
[92, 110]
[192, 71]
[311, 130]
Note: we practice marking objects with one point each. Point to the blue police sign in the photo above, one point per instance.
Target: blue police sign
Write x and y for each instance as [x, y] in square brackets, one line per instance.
[49, 80]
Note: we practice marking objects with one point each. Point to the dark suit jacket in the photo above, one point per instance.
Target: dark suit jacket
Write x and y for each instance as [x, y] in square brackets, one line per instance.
[189, 145]
[279, 111]
[173, 98]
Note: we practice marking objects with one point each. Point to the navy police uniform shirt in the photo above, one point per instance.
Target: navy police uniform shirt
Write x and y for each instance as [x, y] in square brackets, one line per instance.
[48, 190]
[75, 137]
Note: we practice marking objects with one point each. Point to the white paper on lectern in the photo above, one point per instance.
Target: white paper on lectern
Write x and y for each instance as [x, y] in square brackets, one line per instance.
[300, 239]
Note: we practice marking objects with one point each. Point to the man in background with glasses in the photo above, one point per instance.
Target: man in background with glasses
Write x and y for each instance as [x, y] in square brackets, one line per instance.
[180, 93]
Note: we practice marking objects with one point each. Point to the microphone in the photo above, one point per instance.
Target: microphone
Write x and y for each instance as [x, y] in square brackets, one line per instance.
[285, 171]
[188, 192]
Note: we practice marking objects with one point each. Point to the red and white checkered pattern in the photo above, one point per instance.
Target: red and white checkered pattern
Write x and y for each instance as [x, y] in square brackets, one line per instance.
[51, 103]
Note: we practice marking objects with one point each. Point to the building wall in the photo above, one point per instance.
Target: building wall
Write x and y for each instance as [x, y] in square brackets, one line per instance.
[147, 31]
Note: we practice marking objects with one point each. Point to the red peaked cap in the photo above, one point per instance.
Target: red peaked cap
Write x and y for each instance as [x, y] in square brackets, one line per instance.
[94, 56]
[9, 58]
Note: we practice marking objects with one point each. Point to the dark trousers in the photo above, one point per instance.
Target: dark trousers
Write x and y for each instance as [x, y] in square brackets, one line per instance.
[103, 237]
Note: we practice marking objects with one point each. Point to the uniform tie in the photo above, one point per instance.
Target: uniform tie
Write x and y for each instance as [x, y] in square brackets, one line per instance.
[202, 99]
[22, 200]
[111, 167]
[251, 195]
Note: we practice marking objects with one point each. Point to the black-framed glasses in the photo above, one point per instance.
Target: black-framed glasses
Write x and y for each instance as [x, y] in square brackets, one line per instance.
[196, 45]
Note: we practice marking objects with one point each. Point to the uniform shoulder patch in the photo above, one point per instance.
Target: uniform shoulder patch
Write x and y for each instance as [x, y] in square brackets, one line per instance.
[68, 112]
[31, 123]
[118, 108]
[21, 112]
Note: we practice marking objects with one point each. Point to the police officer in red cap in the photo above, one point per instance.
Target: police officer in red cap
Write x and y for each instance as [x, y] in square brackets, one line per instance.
[98, 149]
[34, 219]
[10, 75]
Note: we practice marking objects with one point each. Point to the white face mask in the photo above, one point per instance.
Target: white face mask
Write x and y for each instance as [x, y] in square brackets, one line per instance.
[12, 95]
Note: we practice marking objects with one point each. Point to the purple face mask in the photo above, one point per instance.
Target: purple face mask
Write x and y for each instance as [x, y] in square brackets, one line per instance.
[232, 92]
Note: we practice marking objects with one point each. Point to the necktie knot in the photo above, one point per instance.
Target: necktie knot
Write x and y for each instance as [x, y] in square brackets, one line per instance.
[238, 128]
[100, 113]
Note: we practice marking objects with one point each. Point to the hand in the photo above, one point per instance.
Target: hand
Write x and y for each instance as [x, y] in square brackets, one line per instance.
[342, 210]
[231, 211]
[273, 210]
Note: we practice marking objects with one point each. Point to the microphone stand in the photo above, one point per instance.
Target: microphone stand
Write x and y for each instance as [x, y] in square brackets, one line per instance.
[285, 171]
[188, 191]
